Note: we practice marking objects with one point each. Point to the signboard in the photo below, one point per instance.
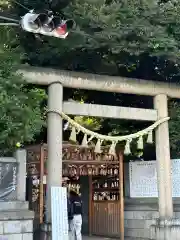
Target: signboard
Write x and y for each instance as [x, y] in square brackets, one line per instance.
[59, 213]
[8, 181]
[175, 177]
[143, 179]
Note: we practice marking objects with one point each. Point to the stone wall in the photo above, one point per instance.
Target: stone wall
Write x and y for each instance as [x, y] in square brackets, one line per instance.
[140, 215]
[16, 221]
[13, 226]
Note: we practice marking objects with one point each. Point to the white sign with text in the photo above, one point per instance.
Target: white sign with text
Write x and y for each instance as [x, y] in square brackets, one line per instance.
[143, 179]
[59, 213]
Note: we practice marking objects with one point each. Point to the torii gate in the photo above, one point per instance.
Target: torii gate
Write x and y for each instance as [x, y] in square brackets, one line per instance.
[56, 80]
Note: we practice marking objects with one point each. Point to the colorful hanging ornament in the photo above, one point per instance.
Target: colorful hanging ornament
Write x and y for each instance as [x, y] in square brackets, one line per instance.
[73, 135]
[150, 137]
[98, 146]
[84, 141]
[112, 150]
[140, 143]
[127, 149]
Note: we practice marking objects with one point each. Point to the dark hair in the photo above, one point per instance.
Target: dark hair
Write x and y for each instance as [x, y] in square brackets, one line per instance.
[73, 193]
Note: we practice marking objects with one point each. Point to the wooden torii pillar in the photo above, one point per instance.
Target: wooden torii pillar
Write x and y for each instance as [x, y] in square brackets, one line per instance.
[56, 80]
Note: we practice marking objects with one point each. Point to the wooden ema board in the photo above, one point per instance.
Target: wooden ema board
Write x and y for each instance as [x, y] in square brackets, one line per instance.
[59, 213]
[107, 216]
[83, 162]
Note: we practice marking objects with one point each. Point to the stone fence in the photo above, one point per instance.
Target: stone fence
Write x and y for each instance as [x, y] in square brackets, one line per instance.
[16, 221]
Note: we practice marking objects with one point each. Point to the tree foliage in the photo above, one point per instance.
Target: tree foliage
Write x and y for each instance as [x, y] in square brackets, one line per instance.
[21, 115]
[119, 35]
[138, 39]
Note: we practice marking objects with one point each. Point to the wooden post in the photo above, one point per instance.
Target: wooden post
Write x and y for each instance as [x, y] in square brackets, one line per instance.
[41, 187]
[121, 195]
[90, 205]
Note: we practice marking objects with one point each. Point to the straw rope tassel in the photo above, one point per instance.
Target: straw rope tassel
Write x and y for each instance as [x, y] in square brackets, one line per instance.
[98, 146]
[90, 139]
[127, 149]
[150, 137]
[111, 138]
[84, 141]
[140, 143]
[112, 150]
[73, 135]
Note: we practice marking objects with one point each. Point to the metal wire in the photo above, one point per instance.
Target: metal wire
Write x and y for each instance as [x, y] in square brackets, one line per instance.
[9, 19]
[9, 24]
[18, 3]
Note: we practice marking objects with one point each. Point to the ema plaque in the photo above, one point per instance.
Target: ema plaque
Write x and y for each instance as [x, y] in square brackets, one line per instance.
[8, 181]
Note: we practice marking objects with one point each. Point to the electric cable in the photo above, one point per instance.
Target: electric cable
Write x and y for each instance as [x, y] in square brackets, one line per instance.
[9, 24]
[18, 3]
[12, 19]
[9, 19]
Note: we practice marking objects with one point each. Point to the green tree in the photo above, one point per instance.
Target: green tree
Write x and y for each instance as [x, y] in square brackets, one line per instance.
[21, 115]
[138, 39]
[113, 34]
[174, 113]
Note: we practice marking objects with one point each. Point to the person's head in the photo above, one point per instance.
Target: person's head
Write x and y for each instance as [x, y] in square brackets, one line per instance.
[73, 193]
